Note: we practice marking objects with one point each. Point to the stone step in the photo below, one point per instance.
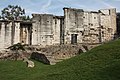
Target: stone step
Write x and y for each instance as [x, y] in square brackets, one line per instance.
[54, 61]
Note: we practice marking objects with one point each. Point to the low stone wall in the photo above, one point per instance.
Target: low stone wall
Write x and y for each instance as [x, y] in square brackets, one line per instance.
[55, 53]
[12, 55]
[49, 54]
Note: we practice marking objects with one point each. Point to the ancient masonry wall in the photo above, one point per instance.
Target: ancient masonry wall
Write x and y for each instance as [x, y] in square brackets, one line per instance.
[26, 33]
[108, 24]
[46, 29]
[88, 26]
[76, 26]
[10, 34]
[5, 35]
[73, 24]
[91, 27]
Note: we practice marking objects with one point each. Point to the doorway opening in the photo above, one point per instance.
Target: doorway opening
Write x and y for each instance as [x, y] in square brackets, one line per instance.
[74, 38]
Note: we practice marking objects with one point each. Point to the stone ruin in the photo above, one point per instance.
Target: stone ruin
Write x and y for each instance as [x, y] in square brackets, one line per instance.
[48, 55]
[56, 53]
[75, 27]
[54, 38]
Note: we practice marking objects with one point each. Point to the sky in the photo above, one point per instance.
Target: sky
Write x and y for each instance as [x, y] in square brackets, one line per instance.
[56, 6]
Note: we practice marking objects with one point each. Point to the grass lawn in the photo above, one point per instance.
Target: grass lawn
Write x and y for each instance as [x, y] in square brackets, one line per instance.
[101, 63]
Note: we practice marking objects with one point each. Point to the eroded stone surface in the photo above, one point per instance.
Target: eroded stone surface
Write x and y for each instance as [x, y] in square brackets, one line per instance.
[56, 53]
[30, 64]
[51, 36]
[76, 26]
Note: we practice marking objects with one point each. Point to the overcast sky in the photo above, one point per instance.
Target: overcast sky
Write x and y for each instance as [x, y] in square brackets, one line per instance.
[56, 6]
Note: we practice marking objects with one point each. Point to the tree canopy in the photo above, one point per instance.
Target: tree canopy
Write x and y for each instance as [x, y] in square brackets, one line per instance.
[12, 12]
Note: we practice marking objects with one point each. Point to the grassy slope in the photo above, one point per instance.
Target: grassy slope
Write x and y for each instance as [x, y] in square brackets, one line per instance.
[101, 63]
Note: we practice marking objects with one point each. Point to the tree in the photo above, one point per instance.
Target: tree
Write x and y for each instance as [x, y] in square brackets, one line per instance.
[12, 12]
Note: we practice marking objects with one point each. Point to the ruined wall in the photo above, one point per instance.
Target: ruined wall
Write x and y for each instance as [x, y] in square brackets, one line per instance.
[4, 35]
[42, 29]
[6, 38]
[100, 26]
[58, 30]
[10, 33]
[17, 33]
[89, 26]
[26, 33]
[83, 23]
[108, 24]
[73, 24]
[46, 29]
[76, 26]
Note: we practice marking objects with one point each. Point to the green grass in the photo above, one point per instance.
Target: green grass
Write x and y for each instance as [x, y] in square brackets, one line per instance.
[101, 63]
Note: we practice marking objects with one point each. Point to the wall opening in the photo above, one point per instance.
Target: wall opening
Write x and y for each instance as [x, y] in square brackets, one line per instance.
[26, 33]
[74, 38]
